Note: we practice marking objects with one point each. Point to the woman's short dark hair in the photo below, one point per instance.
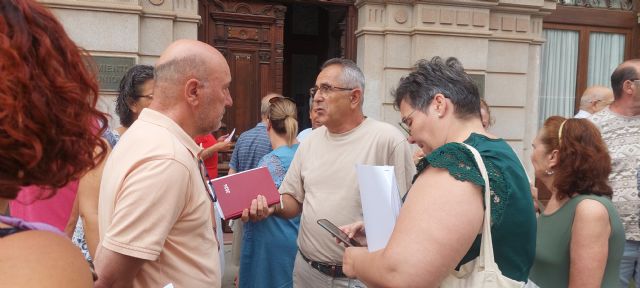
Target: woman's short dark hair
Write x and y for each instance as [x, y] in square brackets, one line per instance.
[584, 163]
[49, 128]
[129, 92]
[446, 77]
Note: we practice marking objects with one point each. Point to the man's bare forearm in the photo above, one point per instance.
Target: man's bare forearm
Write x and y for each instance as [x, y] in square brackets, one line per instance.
[290, 207]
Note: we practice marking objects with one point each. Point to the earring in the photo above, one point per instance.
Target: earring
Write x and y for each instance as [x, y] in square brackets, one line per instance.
[549, 172]
[439, 115]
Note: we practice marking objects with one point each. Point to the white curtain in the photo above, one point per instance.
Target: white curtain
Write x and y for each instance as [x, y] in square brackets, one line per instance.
[606, 51]
[558, 74]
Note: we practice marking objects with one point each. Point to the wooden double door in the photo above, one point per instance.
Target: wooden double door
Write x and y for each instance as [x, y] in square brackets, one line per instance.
[273, 46]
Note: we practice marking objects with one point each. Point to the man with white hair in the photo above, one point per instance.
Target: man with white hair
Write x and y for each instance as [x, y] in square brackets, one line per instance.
[322, 182]
[594, 99]
[155, 212]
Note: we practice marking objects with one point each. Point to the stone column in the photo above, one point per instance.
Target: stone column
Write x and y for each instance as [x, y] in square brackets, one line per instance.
[498, 42]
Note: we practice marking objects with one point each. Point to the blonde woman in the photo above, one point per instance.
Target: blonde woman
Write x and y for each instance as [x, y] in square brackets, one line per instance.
[269, 247]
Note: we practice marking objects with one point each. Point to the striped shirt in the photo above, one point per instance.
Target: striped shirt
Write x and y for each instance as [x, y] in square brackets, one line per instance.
[251, 146]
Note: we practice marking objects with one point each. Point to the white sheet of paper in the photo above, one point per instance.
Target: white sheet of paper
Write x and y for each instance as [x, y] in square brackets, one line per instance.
[380, 203]
[220, 236]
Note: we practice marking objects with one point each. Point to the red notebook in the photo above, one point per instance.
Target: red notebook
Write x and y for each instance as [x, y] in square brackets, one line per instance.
[235, 192]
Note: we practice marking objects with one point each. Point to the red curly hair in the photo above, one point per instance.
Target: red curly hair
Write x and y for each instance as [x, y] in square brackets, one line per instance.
[48, 96]
[584, 163]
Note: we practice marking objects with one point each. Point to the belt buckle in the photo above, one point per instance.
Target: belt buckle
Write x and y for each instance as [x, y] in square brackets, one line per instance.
[332, 268]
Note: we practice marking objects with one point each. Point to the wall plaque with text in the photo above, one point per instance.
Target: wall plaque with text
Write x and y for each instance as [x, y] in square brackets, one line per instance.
[111, 70]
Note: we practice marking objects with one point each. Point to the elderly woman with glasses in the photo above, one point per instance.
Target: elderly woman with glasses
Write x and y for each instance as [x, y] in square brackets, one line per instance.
[438, 228]
[269, 247]
[135, 93]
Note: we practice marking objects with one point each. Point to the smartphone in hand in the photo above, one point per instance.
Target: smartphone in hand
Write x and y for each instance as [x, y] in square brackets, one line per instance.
[336, 232]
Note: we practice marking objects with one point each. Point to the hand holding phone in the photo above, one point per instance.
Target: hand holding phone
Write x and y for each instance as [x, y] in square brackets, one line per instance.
[339, 234]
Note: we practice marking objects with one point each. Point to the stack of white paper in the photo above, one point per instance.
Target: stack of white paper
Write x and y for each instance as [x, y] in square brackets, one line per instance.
[380, 203]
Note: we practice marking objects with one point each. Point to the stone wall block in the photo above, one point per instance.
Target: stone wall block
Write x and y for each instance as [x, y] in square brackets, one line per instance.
[391, 78]
[495, 21]
[155, 35]
[430, 15]
[480, 19]
[472, 52]
[447, 16]
[392, 116]
[522, 25]
[504, 89]
[507, 57]
[109, 31]
[397, 51]
[509, 122]
[185, 30]
[508, 23]
[463, 18]
[371, 47]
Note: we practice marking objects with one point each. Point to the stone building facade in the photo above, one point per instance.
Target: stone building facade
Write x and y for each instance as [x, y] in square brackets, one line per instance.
[498, 41]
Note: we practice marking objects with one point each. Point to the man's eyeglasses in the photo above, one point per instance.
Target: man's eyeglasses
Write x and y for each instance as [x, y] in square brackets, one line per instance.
[403, 122]
[204, 174]
[326, 88]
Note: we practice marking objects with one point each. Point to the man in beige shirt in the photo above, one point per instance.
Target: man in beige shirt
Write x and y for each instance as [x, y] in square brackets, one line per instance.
[322, 176]
[155, 214]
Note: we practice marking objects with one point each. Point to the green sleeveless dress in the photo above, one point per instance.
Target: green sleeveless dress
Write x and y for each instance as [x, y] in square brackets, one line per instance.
[513, 221]
[551, 265]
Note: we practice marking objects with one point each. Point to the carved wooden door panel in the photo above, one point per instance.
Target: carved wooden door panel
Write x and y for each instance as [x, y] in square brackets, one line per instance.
[250, 35]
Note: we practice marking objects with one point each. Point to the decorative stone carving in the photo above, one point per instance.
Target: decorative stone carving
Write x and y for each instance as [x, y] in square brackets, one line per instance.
[376, 15]
[279, 11]
[156, 2]
[401, 16]
[242, 33]
[243, 57]
[611, 4]
[265, 56]
[242, 8]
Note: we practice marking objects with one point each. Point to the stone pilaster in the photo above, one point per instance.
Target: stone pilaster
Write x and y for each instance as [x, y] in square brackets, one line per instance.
[137, 29]
[496, 40]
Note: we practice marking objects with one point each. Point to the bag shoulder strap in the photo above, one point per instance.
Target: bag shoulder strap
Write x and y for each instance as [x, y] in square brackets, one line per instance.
[486, 247]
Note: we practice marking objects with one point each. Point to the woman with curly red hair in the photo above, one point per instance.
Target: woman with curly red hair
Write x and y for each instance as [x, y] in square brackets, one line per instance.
[47, 138]
[580, 238]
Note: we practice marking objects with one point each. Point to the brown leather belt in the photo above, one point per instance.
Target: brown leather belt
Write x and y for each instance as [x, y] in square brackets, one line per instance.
[331, 270]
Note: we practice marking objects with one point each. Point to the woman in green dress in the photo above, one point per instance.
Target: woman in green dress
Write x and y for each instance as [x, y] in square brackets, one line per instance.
[439, 224]
[580, 237]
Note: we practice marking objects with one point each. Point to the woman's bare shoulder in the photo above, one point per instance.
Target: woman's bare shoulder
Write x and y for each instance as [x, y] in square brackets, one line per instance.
[42, 259]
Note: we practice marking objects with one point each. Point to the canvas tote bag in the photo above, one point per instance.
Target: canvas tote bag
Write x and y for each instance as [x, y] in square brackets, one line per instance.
[483, 271]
